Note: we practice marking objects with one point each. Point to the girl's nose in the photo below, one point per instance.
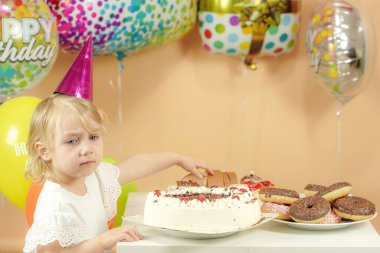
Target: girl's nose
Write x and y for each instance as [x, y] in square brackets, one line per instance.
[85, 148]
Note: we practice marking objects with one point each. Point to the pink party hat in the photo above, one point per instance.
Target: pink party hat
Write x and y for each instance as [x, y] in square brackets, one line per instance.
[78, 80]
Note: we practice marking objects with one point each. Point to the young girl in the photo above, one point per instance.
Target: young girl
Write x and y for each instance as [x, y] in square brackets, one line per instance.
[80, 192]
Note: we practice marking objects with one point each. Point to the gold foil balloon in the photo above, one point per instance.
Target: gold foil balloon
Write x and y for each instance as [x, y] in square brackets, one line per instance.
[249, 28]
[337, 48]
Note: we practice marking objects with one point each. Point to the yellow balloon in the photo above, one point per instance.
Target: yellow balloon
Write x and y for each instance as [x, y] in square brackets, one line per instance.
[15, 116]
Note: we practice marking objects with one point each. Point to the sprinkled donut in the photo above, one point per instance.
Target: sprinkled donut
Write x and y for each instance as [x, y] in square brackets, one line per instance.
[354, 208]
[335, 191]
[278, 195]
[312, 189]
[281, 209]
[313, 209]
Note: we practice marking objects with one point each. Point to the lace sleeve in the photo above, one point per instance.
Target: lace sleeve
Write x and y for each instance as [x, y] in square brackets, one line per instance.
[110, 187]
[62, 227]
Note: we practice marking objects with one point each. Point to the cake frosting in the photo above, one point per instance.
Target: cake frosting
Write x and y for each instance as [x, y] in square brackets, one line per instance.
[202, 209]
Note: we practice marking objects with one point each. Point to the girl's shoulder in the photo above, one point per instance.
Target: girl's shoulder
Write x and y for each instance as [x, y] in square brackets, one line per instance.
[107, 174]
[110, 188]
[107, 170]
[55, 219]
[52, 199]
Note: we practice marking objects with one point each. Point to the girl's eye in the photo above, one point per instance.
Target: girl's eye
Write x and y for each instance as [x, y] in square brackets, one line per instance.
[72, 141]
[94, 137]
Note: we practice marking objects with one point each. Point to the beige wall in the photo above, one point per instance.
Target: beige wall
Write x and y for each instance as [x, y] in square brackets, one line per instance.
[276, 121]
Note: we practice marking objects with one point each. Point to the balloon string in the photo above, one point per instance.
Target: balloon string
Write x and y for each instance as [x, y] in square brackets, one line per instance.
[243, 110]
[339, 113]
[242, 116]
[120, 104]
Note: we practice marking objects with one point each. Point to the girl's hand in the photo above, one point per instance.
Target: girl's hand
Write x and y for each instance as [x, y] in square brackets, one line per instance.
[192, 165]
[98, 244]
[124, 233]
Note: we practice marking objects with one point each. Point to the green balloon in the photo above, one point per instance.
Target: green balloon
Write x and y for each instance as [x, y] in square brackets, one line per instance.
[122, 201]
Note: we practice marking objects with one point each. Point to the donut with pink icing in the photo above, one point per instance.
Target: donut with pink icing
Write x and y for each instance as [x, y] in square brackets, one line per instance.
[331, 218]
[281, 210]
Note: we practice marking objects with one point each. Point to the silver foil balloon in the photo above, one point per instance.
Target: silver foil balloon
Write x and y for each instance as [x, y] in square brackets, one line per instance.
[337, 48]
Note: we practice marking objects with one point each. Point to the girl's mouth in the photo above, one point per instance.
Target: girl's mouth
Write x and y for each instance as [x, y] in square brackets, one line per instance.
[87, 163]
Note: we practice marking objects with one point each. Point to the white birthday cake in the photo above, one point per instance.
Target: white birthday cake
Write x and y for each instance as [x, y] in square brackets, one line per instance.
[202, 209]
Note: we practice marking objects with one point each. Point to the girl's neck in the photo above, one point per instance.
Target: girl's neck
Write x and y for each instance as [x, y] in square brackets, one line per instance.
[77, 186]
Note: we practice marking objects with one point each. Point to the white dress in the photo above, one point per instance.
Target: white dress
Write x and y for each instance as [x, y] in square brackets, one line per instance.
[70, 219]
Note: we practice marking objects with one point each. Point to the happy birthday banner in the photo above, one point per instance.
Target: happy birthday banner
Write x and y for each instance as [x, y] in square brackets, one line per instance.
[26, 29]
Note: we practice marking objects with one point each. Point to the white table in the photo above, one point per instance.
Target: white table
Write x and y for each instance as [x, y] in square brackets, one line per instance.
[267, 238]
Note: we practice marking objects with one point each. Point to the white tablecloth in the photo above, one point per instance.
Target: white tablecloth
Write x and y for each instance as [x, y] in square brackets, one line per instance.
[267, 238]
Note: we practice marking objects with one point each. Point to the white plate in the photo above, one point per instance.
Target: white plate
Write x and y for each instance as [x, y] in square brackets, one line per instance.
[139, 220]
[306, 226]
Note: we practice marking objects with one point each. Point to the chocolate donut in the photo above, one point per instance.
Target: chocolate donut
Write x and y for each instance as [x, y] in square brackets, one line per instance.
[278, 195]
[311, 210]
[354, 208]
[335, 191]
[312, 189]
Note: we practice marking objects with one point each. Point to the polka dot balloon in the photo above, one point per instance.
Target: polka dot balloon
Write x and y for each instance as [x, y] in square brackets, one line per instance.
[226, 28]
[28, 45]
[122, 27]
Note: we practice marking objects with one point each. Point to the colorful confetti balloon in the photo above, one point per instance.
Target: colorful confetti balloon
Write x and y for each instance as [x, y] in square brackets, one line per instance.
[122, 27]
[28, 45]
[337, 48]
[249, 28]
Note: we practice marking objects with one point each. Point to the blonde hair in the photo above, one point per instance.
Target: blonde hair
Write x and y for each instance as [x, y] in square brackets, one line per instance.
[43, 125]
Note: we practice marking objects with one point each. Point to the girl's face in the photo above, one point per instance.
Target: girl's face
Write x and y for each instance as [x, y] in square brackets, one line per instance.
[77, 150]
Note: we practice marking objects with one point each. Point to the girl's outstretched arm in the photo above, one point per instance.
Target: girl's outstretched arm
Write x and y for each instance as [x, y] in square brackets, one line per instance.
[141, 165]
